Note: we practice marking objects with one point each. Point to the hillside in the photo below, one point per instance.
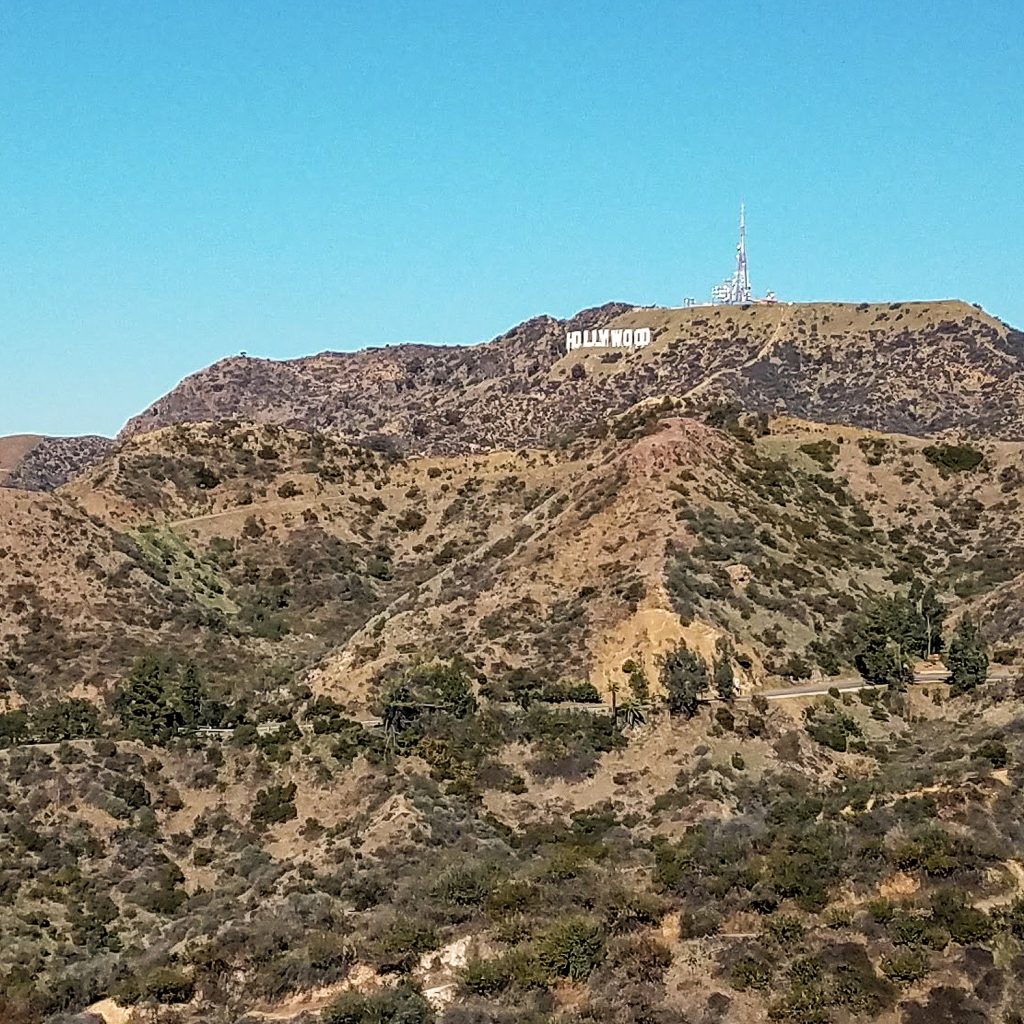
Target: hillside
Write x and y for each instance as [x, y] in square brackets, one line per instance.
[12, 450]
[362, 772]
[80, 601]
[664, 528]
[295, 728]
[916, 368]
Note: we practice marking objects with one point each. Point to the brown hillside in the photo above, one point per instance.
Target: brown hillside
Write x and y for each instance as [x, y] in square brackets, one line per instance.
[224, 835]
[916, 368]
[12, 450]
[570, 561]
[688, 533]
[78, 601]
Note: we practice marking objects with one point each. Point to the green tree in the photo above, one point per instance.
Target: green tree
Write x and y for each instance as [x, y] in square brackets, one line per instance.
[685, 678]
[637, 680]
[146, 703]
[191, 696]
[65, 720]
[931, 614]
[725, 678]
[442, 688]
[13, 728]
[887, 638]
[967, 659]
[274, 805]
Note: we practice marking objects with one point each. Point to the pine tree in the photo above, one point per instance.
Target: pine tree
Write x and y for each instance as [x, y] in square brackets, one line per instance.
[725, 678]
[967, 659]
[888, 637]
[191, 697]
[147, 702]
[685, 678]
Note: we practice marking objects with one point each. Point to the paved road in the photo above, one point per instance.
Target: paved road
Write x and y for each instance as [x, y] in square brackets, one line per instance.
[850, 684]
[843, 685]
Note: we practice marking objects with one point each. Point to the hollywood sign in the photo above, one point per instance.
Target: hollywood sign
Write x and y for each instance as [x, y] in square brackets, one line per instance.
[605, 337]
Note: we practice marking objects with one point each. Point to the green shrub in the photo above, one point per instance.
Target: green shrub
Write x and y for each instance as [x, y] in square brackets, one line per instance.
[403, 942]
[640, 958]
[750, 973]
[697, 924]
[833, 730]
[572, 948]
[966, 925]
[466, 885]
[785, 929]
[274, 805]
[166, 985]
[906, 966]
[995, 752]
[487, 977]
[881, 911]
[953, 458]
[400, 1005]
[823, 452]
[912, 930]
[410, 520]
[932, 850]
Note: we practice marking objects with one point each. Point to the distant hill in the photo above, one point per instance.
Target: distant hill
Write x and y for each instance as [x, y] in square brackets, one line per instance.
[916, 368]
[12, 450]
[30, 462]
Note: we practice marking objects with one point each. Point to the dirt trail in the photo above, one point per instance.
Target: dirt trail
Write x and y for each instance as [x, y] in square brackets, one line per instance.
[265, 506]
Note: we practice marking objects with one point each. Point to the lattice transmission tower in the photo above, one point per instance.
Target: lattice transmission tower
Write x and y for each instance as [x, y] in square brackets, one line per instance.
[736, 290]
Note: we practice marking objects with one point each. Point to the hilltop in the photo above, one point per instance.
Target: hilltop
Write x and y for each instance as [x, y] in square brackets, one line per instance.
[12, 450]
[917, 368]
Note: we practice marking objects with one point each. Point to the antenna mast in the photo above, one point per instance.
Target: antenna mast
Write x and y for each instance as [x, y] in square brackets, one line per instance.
[741, 281]
[736, 290]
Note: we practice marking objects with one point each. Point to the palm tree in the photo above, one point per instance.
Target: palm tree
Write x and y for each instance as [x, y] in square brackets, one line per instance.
[614, 690]
[632, 714]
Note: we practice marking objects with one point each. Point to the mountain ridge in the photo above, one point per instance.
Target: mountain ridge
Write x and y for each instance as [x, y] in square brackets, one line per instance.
[918, 368]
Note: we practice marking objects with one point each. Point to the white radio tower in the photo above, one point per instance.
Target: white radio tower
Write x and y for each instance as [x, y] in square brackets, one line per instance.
[736, 290]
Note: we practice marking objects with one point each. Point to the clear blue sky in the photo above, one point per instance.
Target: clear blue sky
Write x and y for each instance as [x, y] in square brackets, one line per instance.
[180, 181]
